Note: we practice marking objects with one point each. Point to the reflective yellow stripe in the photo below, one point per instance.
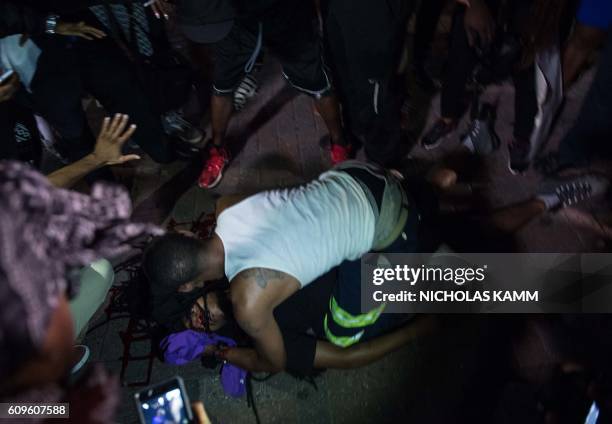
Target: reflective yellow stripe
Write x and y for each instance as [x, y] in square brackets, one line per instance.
[338, 340]
[346, 320]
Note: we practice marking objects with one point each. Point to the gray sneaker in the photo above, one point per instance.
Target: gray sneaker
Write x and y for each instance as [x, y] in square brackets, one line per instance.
[175, 125]
[481, 137]
[246, 90]
[558, 193]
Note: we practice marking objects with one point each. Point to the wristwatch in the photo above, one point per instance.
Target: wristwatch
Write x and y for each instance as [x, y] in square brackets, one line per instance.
[51, 24]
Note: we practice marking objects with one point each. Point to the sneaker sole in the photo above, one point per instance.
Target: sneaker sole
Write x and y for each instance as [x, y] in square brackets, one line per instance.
[216, 182]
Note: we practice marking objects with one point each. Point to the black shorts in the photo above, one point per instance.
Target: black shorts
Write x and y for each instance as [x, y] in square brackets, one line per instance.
[287, 30]
[300, 319]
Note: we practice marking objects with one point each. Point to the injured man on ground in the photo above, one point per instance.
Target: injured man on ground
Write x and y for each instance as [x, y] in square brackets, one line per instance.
[292, 259]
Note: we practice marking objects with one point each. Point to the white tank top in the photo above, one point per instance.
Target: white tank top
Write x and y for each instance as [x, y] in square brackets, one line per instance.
[303, 231]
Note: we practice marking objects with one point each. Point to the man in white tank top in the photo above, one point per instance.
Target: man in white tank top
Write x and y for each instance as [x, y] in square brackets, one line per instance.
[271, 244]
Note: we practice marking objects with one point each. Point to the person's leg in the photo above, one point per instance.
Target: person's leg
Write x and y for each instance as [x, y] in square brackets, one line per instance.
[220, 113]
[365, 63]
[344, 324]
[290, 34]
[525, 111]
[235, 56]
[232, 55]
[552, 195]
[426, 23]
[461, 61]
[593, 127]
[514, 217]
[96, 280]
[460, 64]
[525, 103]
[56, 91]
[328, 108]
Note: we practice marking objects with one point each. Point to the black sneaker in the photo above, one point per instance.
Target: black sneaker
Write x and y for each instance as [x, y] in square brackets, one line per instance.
[557, 193]
[518, 160]
[175, 125]
[437, 134]
[481, 137]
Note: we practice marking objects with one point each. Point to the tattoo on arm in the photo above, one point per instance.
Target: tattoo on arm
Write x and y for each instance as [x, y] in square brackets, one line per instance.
[263, 275]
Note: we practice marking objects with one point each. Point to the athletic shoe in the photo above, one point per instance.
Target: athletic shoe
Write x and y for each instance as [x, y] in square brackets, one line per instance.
[558, 193]
[212, 173]
[79, 357]
[175, 125]
[481, 137]
[340, 153]
[518, 159]
[437, 134]
[247, 89]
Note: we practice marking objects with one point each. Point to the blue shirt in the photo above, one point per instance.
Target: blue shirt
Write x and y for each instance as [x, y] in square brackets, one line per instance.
[595, 13]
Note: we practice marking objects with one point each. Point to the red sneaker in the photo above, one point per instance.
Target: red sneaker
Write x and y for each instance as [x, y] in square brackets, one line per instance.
[340, 153]
[212, 173]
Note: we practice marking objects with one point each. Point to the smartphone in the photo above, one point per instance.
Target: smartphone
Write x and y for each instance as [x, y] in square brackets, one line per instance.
[164, 403]
[6, 75]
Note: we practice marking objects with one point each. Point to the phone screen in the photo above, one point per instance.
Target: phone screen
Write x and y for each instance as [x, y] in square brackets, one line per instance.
[164, 403]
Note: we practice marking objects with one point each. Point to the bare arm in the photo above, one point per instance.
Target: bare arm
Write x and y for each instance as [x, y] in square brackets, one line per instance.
[246, 358]
[331, 356]
[255, 293]
[111, 139]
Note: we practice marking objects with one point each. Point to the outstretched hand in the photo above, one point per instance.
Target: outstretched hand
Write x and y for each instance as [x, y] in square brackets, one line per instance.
[111, 139]
[79, 29]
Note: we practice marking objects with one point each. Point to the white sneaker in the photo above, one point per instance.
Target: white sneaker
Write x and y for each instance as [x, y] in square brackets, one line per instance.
[559, 193]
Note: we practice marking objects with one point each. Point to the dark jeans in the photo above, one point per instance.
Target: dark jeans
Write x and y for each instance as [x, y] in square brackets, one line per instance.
[364, 43]
[462, 60]
[67, 70]
[592, 130]
[425, 28]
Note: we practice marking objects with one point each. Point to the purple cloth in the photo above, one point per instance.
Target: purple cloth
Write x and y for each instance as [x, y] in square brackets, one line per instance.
[47, 234]
[186, 346]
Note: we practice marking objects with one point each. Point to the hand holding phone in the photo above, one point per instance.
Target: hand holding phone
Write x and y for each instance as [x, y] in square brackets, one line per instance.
[6, 75]
[165, 402]
[9, 84]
